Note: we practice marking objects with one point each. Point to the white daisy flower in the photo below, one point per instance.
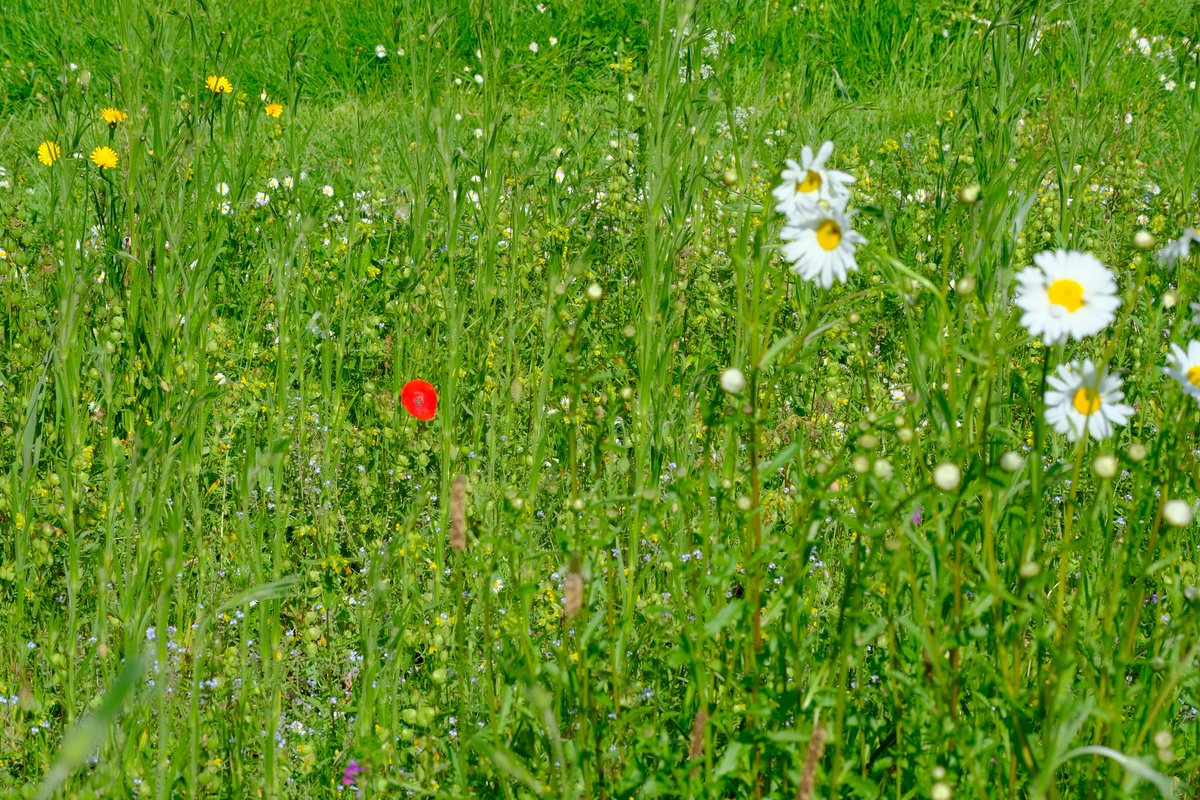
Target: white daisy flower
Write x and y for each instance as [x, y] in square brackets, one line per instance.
[272, 183]
[327, 190]
[808, 181]
[1083, 399]
[288, 182]
[1067, 295]
[261, 199]
[820, 244]
[380, 51]
[1185, 367]
[1179, 248]
[223, 189]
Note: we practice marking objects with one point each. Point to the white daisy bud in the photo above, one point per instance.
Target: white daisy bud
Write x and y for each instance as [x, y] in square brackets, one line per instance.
[733, 381]
[1011, 461]
[1137, 451]
[1177, 513]
[861, 464]
[947, 476]
[594, 293]
[883, 469]
[1143, 240]
[1105, 466]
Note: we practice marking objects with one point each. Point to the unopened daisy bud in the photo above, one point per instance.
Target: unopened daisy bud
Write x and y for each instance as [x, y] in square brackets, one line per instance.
[732, 380]
[965, 285]
[905, 434]
[868, 441]
[743, 503]
[1170, 298]
[940, 791]
[968, 195]
[947, 476]
[729, 177]
[1029, 569]
[594, 293]
[1137, 451]
[861, 464]
[883, 469]
[1177, 513]
[1011, 461]
[1143, 240]
[1105, 466]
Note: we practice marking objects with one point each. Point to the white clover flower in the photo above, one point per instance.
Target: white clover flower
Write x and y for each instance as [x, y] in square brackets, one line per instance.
[947, 476]
[733, 381]
[821, 245]
[1083, 399]
[1067, 295]
[1177, 513]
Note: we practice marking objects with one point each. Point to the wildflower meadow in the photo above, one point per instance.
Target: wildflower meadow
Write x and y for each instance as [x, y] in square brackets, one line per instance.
[599, 399]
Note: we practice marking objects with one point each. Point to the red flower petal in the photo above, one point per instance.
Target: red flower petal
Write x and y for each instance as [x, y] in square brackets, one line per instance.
[419, 399]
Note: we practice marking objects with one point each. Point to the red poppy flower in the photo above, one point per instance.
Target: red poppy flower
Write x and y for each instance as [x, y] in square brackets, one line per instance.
[420, 399]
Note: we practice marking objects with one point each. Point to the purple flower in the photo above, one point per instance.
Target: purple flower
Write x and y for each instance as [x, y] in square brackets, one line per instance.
[916, 517]
[353, 769]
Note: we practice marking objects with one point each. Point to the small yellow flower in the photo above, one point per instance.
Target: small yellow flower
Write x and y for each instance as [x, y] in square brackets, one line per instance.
[48, 153]
[218, 84]
[104, 157]
[113, 115]
[274, 109]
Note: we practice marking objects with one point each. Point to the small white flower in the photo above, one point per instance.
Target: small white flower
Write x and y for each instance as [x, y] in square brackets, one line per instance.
[533, 47]
[1105, 466]
[225, 208]
[559, 175]
[821, 244]
[808, 181]
[327, 190]
[1178, 249]
[478, 78]
[380, 51]
[1083, 399]
[1177, 513]
[220, 379]
[288, 182]
[1011, 461]
[947, 476]
[1067, 295]
[1185, 367]
[733, 381]
[261, 199]
[554, 41]
[223, 189]
[272, 183]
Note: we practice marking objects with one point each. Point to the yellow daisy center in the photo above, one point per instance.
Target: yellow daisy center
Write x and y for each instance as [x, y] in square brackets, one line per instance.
[829, 235]
[1086, 401]
[1193, 376]
[1066, 293]
[811, 182]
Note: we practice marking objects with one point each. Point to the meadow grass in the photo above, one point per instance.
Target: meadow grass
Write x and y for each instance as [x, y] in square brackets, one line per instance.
[232, 564]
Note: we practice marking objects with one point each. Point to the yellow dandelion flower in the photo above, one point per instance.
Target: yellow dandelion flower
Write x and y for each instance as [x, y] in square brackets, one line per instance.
[48, 153]
[104, 157]
[274, 109]
[218, 84]
[113, 115]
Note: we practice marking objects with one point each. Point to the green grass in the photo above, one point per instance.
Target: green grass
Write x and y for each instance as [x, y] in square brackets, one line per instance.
[225, 557]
